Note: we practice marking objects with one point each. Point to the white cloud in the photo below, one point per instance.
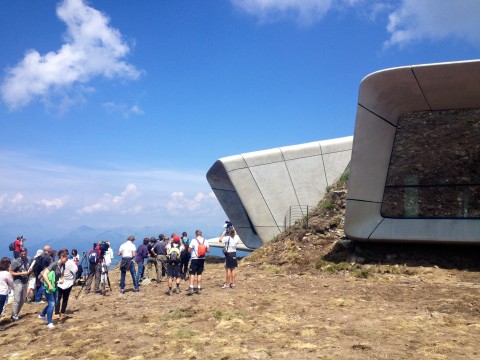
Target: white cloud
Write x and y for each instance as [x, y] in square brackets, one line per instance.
[111, 202]
[305, 12]
[92, 48]
[125, 110]
[408, 20]
[17, 198]
[54, 204]
[104, 196]
[199, 202]
[434, 19]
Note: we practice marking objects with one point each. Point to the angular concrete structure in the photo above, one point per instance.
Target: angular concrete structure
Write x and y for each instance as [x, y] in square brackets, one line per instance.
[257, 189]
[415, 173]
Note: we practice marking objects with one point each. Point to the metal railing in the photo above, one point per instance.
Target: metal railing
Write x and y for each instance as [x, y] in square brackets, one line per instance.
[297, 214]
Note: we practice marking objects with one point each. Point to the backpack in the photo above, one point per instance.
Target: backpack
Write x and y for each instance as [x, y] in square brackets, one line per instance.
[38, 265]
[202, 249]
[174, 254]
[93, 256]
[11, 247]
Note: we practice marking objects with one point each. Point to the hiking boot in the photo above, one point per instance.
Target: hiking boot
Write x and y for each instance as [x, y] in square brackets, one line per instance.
[199, 291]
[122, 291]
[170, 292]
[177, 290]
[136, 289]
[190, 291]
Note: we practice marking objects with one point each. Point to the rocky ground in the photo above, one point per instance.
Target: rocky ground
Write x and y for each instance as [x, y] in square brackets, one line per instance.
[310, 294]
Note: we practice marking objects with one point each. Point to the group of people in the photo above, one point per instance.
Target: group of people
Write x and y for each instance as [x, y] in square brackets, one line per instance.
[176, 257]
[38, 277]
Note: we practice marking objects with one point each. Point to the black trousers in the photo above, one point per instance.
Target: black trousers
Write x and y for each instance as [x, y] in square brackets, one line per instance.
[63, 295]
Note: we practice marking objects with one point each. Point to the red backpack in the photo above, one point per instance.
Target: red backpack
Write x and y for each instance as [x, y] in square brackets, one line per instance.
[202, 249]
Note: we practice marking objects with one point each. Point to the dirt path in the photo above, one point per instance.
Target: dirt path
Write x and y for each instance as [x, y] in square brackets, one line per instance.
[431, 314]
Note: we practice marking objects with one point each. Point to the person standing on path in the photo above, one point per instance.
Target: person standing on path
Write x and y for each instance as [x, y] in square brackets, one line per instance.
[198, 249]
[19, 271]
[51, 276]
[184, 256]
[160, 252]
[128, 251]
[65, 287]
[142, 254]
[231, 262]
[6, 283]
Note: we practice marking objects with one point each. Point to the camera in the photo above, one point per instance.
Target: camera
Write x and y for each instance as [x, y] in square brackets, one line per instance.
[103, 246]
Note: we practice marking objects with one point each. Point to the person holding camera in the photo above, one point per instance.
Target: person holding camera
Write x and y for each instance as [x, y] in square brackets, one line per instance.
[231, 262]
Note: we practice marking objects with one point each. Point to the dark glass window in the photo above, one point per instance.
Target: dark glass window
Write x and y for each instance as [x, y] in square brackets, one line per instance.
[434, 169]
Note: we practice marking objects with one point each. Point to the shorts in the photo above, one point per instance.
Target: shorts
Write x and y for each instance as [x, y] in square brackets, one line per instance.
[196, 266]
[231, 261]
[32, 283]
[173, 270]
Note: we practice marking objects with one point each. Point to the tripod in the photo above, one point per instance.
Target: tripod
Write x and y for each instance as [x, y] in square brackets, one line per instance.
[104, 279]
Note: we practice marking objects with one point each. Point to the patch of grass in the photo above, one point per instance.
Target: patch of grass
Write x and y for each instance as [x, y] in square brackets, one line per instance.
[177, 314]
[228, 315]
[102, 354]
[331, 267]
[269, 268]
[362, 273]
[218, 315]
[327, 205]
[185, 334]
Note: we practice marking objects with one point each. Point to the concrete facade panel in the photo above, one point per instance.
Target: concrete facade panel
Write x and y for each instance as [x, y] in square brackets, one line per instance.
[370, 157]
[361, 219]
[428, 230]
[336, 145]
[463, 90]
[308, 188]
[334, 165]
[263, 157]
[275, 184]
[301, 151]
[235, 162]
[251, 198]
[391, 93]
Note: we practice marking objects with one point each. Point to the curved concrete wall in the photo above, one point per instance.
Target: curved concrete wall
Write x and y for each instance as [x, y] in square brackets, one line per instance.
[384, 96]
[256, 189]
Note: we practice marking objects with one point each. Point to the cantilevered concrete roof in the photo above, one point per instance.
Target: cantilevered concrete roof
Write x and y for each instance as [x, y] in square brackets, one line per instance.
[257, 189]
[383, 98]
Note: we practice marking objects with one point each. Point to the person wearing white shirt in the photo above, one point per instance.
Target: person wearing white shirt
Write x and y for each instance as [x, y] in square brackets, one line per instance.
[231, 262]
[64, 287]
[127, 251]
[198, 260]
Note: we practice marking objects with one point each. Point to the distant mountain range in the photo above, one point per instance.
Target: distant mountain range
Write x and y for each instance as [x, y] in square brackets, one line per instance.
[83, 237]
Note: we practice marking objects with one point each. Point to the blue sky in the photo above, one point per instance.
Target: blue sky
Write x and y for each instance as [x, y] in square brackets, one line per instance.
[113, 111]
